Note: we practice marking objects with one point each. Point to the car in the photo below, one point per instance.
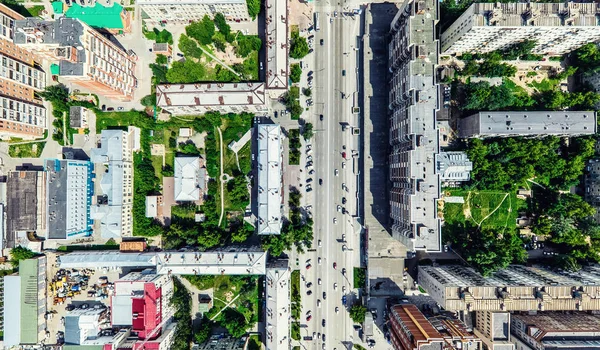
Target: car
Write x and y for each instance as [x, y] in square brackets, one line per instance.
[344, 187]
[334, 265]
[343, 271]
[343, 200]
[343, 146]
[309, 292]
[445, 248]
[311, 172]
[308, 285]
[179, 54]
[308, 189]
[330, 21]
[309, 158]
[321, 117]
[309, 180]
[344, 211]
[319, 243]
[343, 237]
[319, 335]
[310, 77]
[323, 322]
[120, 108]
[343, 165]
[308, 147]
[319, 281]
[336, 172]
[308, 266]
[324, 295]
[339, 208]
[110, 109]
[68, 2]
[344, 155]
[321, 42]
[337, 309]
[308, 318]
[343, 289]
[344, 248]
[319, 260]
[320, 181]
[261, 65]
[103, 108]
[309, 164]
[344, 300]
[318, 303]
[323, 337]
[344, 73]
[314, 334]
[335, 286]
[310, 73]
[335, 220]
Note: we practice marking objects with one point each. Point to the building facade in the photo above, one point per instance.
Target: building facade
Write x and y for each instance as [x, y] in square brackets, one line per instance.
[269, 164]
[83, 56]
[413, 103]
[276, 66]
[193, 99]
[516, 288]
[557, 28]
[557, 330]
[115, 202]
[22, 113]
[185, 11]
[69, 190]
[493, 328]
[277, 310]
[528, 124]
[592, 185]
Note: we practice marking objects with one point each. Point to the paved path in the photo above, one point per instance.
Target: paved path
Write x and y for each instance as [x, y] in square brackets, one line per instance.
[221, 176]
[219, 61]
[226, 306]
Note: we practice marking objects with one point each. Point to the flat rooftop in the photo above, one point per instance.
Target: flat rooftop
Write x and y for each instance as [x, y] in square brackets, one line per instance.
[188, 2]
[276, 44]
[269, 168]
[210, 94]
[278, 307]
[24, 190]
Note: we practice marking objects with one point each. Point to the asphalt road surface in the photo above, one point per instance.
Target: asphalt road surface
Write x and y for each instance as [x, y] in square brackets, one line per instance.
[335, 90]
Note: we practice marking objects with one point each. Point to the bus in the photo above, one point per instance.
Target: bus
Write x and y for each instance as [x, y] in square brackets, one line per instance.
[316, 21]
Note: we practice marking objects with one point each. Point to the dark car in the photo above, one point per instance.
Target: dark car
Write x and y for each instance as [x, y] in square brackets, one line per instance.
[320, 181]
[103, 108]
[321, 117]
[309, 292]
[324, 295]
[323, 323]
[343, 200]
[321, 41]
[309, 180]
[344, 73]
[110, 109]
[308, 318]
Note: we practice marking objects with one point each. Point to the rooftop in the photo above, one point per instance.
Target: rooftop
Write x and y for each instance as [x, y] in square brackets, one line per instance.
[278, 307]
[210, 94]
[187, 178]
[453, 166]
[276, 44]
[269, 164]
[185, 2]
[24, 191]
[98, 16]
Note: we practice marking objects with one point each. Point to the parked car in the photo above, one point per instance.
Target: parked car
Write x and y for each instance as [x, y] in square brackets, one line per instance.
[321, 41]
[110, 109]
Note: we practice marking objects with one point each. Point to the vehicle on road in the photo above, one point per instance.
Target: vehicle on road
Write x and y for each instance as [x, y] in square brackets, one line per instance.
[309, 158]
[343, 165]
[323, 322]
[334, 13]
[343, 200]
[324, 295]
[343, 271]
[335, 286]
[110, 109]
[339, 208]
[321, 117]
[317, 21]
[344, 155]
[320, 181]
[308, 266]
[335, 220]
[308, 285]
[319, 243]
[321, 41]
[309, 180]
[343, 289]
[120, 108]
[344, 211]
[337, 309]
[310, 73]
[308, 318]
[319, 260]
[309, 164]
[323, 337]
[344, 300]
[103, 108]
[343, 72]
[334, 265]
[343, 237]
[344, 248]
[336, 172]
[319, 281]
[318, 302]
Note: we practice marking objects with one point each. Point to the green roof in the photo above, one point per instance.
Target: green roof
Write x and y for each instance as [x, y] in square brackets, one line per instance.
[28, 270]
[57, 7]
[54, 69]
[98, 16]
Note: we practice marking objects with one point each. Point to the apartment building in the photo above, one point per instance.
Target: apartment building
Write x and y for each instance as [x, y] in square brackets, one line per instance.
[528, 124]
[200, 98]
[185, 11]
[115, 200]
[516, 288]
[21, 111]
[410, 329]
[276, 66]
[277, 310]
[413, 103]
[556, 330]
[493, 328]
[82, 55]
[592, 185]
[270, 179]
[557, 28]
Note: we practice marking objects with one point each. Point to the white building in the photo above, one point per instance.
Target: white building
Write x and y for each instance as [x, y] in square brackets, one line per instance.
[116, 152]
[269, 168]
[277, 310]
[276, 45]
[190, 179]
[557, 28]
[184, 11]
[83, 326]
[193, 99]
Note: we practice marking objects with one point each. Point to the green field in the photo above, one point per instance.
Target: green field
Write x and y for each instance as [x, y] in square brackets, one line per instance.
[492, 209]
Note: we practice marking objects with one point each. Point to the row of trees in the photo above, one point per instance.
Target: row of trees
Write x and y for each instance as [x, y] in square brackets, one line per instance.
[298, 45]
[489, 65]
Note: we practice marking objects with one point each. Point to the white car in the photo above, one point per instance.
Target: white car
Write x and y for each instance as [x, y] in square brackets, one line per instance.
[318, 303]
[336, 172]
[339, 208]
[335, 286]
[343, 165]
[309, 158]
[344, 248]
[319, 243]
[337, 309]
[319, 281]
[319, 260]
[335, 220]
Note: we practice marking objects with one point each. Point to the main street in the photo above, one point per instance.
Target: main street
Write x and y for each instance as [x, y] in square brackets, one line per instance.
[336, 238]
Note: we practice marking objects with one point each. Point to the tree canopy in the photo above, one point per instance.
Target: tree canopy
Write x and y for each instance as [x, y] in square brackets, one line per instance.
[19, 253]
[253, 8]
[185, 72]
[358, 312]
[202, 31]
[189, 47]
[299, 45]
[222, 25]
[295, 72]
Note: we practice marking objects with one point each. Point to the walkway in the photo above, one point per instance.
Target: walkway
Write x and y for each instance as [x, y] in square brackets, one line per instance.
[219, 61]
[221, 176]
[224, 307]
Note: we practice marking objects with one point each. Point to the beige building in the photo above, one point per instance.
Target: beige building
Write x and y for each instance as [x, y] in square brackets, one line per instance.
[276, 45]
[516, 288]
[556, 330]
[189, 99]
[557, 28]
[21, 112]
[82, 55]
[184, 11]
[493, 328]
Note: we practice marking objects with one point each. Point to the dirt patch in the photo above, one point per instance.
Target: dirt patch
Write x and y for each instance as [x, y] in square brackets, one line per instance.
[300, 14]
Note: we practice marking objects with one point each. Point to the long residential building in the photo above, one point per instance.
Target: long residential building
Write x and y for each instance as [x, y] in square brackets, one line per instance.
[269, 165]
[557, 28]
[592, 185]
[200, 98]
[516, 288]
[115, 202]
[80, 54]
[277, 308]
[528, 124]
[185, 11]
[21, 111]
[413, 103]
[276, 67]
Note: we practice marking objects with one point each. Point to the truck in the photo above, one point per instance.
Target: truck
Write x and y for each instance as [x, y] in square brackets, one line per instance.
[317, 21]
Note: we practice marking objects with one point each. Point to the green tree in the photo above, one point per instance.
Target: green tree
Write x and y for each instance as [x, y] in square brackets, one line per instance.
[204, 331]
[234, 322]
[149, 100]
[307, 92]
[295, 72]
[299, 46]
[246, 44]
[237, 190]
[202, 31]
[53, 93]
[161, 59]
[253, 8]
[357, 313]
[185, 72]
[159, 73]
[189, 47]
[20, 253]
[163, 36]
[219, 42]
[307, 132]
[222, 25]
[482, 96]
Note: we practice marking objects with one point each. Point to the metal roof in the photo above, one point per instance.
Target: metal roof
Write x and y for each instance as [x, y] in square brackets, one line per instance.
[12, 310]
[276, 44]
[278, 307]
[187, 179]
[269, 164]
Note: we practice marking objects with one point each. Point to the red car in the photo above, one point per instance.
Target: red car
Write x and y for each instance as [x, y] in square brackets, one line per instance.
[335, 265]
[308, 266]
[309, 318]
[344, 155]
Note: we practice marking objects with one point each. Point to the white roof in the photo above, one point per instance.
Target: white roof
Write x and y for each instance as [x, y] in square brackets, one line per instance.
[210, 94]
[187, 179]
[185, 2]
[12, 310]
[269, 161]
[278, 308]
[277, 44]
[151, 206]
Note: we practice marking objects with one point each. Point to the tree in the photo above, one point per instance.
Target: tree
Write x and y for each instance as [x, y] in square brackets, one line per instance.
[357, 313]
[482, 96]
[299, 46]
[189, 47]
[202, 31]
[185, 72]
[218, 41]
[235, 322]
[163, 36]
[53, 93]
[222, 25]
[253, 8]
[204, 331]
[161, 59]
[246, 44]
[307, 132]
[149, 100]
[295, 72]
[159, 73]
[20, 253]
[237, 189]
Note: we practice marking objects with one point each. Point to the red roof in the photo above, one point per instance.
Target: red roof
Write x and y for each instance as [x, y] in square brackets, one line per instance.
[147, 311]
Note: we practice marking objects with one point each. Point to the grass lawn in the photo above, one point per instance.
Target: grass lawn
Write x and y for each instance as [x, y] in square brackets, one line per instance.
[35, 10]
[105, 120]
[157, 164]
[491, 209]
[295, 294]
[295, 330]
[26, 150]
